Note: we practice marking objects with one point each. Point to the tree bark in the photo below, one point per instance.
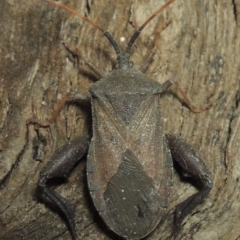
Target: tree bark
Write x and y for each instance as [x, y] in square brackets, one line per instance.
[199, 49]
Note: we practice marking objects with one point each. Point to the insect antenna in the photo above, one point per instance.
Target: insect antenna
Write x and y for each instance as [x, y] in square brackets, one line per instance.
[137, 33]
[106, 33]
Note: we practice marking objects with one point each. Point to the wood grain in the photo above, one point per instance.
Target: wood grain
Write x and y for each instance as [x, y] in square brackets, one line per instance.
[199, 48]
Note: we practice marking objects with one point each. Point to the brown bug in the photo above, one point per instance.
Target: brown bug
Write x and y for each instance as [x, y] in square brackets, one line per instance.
[129, 163]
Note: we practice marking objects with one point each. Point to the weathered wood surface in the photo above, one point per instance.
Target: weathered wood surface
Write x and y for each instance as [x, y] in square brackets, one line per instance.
[200, 49]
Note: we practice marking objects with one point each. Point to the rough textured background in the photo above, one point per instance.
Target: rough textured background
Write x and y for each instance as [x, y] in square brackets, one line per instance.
[200, 49]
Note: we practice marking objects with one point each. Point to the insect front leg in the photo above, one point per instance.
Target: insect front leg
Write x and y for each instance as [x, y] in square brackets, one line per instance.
[76, 97]
[60, 166]
[77, 54]
[192, 166]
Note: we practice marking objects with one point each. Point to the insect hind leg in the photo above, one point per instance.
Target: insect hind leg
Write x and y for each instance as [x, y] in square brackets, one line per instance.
[59, 166]
[192, 166]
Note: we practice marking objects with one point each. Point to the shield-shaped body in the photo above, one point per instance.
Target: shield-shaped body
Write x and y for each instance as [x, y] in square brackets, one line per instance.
[129, 166]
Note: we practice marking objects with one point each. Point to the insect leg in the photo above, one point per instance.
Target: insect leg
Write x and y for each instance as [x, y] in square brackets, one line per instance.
[188, 101]
[144, 66]
[59, 166]
[192, 166]
[70, 97]
[77, 54]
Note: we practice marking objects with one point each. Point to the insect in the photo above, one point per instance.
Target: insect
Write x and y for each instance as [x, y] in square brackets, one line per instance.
[130, 160]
